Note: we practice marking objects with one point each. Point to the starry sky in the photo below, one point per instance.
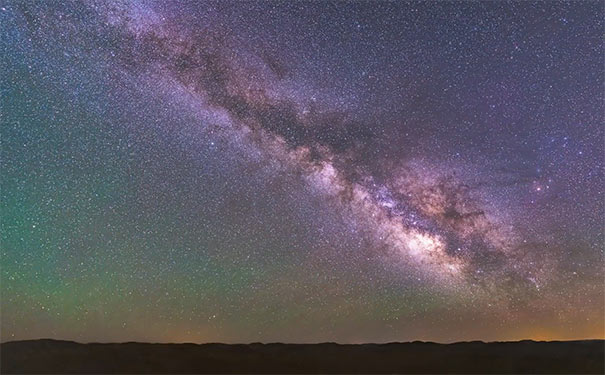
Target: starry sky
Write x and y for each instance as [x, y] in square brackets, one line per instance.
[188, 171]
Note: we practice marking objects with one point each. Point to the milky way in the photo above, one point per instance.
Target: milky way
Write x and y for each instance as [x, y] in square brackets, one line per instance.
[321, 171]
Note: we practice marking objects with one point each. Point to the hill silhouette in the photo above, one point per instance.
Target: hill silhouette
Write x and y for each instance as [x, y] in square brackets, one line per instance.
[54, 356]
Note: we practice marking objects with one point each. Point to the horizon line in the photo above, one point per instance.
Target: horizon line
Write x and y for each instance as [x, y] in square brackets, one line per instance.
[301, 343]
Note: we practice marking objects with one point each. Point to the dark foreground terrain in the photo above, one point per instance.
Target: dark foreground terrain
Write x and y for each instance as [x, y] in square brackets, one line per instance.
[51, 356]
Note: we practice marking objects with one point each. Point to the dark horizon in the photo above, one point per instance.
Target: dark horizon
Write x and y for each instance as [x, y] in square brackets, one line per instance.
[582, 357]
[301, 343]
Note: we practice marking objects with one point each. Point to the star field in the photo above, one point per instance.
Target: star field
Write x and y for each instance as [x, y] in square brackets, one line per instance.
[302, 172]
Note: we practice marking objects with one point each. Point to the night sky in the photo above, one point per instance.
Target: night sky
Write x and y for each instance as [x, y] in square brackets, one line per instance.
[302, 172]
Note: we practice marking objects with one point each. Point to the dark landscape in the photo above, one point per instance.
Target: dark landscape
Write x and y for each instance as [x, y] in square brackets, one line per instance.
[53, 356]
